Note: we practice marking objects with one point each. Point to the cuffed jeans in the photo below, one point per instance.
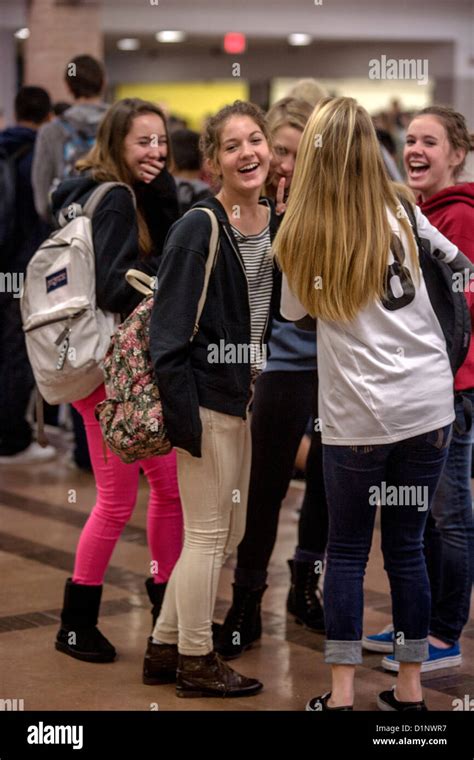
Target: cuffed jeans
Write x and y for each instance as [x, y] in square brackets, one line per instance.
[214, 492]
[402, 477]
[449, 537]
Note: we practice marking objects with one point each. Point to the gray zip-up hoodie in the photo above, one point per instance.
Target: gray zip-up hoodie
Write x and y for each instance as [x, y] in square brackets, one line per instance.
[48, 161]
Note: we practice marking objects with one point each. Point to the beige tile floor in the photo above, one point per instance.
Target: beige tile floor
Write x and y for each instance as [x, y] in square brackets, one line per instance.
[39, 527]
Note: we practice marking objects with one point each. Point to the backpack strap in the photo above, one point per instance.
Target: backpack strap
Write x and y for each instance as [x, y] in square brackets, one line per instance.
[141, 281]
[146, 284]
[95, 198]
[213, 248]
[99, 194]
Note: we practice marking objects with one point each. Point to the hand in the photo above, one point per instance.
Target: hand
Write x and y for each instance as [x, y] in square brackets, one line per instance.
[150, 170]
[280, 206]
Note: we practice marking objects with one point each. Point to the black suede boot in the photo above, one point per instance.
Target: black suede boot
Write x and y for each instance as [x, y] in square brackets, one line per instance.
[209, 676]
[303, 600]
[156, 594]
[161, 661]
[243, 623]
[79, 636]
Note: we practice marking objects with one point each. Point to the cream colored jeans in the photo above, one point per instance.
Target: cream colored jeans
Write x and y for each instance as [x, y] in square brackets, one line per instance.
[214, 491]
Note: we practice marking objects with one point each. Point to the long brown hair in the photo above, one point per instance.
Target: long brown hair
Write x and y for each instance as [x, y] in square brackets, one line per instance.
[105, 160]
[336, 226]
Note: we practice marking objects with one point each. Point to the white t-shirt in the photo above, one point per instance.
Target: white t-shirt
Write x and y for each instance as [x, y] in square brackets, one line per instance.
[384, 376]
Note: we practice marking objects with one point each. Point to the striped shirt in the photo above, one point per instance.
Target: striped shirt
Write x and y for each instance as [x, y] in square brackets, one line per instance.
[255, 251]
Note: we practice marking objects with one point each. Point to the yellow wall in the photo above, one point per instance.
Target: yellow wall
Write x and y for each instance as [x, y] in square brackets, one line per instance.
[193, 101]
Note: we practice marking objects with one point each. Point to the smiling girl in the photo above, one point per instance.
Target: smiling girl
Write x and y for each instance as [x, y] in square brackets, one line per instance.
[206, 403]
[437, 144]
[132, 148]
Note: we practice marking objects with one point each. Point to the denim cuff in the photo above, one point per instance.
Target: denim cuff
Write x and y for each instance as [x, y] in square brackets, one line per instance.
[343, 652]
[412, 650]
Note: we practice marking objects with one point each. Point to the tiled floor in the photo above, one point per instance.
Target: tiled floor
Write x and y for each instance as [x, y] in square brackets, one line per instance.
[42, 509]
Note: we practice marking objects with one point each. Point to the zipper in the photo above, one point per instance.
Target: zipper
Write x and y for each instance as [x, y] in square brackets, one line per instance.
[58, 319]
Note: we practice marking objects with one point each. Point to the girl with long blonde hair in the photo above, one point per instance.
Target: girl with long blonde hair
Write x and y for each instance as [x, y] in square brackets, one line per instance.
[385, 383]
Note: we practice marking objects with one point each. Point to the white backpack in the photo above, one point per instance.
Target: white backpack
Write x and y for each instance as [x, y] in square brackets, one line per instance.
[67, 335]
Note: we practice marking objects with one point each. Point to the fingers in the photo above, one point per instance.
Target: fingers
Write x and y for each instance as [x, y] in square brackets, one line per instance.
[151, 169]
[280, 205]
[280, 193]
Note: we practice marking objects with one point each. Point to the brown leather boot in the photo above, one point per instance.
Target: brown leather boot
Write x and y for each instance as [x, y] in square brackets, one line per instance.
[160, 663]
[209, 676]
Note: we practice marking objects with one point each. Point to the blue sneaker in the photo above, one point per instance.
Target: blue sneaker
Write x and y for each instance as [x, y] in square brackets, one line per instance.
[438, 658]
[379, 642]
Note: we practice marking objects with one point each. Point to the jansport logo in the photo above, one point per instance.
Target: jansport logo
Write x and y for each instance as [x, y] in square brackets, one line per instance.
[56, 280]
[42, 734]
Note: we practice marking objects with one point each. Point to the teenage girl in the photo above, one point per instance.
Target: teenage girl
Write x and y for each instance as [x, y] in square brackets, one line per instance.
[131, 147]
[385, 383]
[206, 389]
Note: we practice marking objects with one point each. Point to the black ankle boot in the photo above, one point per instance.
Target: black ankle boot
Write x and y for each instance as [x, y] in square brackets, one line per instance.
[156, 593]
[303, 600]
[79, 636]
[209, 676]
[160, 663]
[243, 623]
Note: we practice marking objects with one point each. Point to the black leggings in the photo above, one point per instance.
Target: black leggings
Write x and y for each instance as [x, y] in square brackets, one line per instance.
[282, 406]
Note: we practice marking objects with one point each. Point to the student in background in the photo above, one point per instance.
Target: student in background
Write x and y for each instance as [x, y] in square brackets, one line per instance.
[187, 165]
[72, 134]
[21, 233]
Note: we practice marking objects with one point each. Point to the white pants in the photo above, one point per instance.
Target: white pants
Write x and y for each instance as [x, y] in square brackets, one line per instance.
[214, 491]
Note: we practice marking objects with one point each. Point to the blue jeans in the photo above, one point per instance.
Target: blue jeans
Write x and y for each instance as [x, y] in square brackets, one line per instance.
[402, 477]
[449, 538]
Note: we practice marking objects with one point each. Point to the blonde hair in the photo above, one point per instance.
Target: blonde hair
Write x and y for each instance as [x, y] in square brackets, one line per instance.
[105, 159]
[336, 226]
[308, 89]
[288, 112]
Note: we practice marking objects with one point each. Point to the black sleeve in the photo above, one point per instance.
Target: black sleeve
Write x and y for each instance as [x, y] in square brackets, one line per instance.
[115, 237]
[180, 282]
[159, 203]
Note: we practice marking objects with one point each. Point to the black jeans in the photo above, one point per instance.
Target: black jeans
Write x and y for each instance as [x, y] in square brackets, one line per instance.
[16, 379]
[283, 403]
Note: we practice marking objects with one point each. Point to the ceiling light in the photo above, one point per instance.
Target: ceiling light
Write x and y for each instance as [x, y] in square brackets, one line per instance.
[170, 36]
[22, 34]
[299, 39]
[128, 43]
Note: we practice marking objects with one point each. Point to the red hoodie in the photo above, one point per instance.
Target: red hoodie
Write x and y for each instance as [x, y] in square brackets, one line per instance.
[451, 211]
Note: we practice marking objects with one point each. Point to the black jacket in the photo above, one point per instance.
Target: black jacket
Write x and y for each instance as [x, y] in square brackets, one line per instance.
[115, 233]
[29, 230]
[185, 377]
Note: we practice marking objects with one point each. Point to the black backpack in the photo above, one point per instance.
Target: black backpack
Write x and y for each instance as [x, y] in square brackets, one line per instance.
[449, 305]
[8, 182]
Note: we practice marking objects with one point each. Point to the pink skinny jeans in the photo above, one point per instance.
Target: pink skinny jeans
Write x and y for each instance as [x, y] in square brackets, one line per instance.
[117, 487]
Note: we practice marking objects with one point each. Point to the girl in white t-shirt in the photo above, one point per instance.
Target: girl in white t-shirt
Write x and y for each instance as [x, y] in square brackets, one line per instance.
[386, 387]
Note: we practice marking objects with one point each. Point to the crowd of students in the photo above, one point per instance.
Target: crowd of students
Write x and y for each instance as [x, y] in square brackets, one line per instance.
[310, 225]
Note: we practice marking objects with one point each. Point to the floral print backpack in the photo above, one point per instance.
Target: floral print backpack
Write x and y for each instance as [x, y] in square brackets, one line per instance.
[131, 417]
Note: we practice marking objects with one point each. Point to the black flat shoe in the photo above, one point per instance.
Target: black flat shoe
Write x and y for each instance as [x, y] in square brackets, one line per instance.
[387, 701]
[320, 704]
